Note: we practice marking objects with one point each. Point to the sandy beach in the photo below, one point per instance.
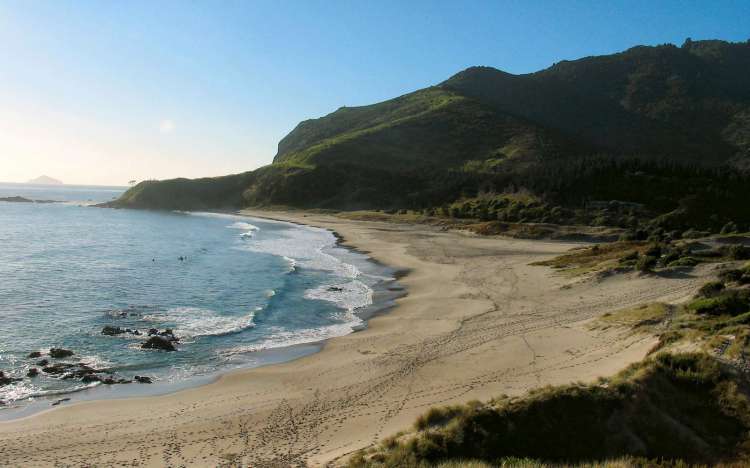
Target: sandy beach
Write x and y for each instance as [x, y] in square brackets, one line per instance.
[478, 321]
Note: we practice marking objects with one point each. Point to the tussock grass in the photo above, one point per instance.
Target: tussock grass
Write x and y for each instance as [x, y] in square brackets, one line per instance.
[596, 258]
[672, 406]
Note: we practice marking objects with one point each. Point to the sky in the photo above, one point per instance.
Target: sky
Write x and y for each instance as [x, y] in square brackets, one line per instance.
[103, 92]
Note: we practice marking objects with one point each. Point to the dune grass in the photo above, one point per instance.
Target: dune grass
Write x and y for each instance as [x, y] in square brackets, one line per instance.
[673, 409]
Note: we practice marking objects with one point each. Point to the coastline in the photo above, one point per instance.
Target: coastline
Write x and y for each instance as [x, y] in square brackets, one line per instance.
[383, 297]
[478, 322]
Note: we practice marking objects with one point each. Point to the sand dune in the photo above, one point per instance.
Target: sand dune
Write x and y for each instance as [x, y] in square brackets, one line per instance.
[478, 321]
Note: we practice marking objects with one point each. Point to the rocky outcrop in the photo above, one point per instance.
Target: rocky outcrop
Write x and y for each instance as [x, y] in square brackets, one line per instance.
[114, 331]
[59, 353]
[5, 380]
[158, 342]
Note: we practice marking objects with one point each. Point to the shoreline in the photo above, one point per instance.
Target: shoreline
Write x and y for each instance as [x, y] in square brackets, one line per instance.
[383, 300]
[479, 321]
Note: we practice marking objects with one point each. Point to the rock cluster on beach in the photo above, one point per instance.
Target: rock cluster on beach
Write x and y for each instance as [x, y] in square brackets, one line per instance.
[80, 371]
[44, 363]
[157, 339]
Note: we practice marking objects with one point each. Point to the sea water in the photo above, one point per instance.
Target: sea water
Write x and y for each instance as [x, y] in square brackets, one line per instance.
[237, 292]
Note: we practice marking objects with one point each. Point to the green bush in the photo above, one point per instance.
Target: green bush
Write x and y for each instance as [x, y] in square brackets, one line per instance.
[646, 263]
[683, 262]
[711, 289]
[680, 406]
[729, 302]
[737, 252]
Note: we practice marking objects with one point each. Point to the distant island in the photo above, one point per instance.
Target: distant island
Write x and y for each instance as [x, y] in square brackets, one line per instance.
[45, 180]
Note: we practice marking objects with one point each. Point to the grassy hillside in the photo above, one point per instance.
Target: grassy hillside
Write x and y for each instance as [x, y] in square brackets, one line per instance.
[689, 103]
[666, 128]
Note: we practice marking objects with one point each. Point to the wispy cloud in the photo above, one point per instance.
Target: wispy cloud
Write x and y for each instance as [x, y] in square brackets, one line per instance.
[166, 126]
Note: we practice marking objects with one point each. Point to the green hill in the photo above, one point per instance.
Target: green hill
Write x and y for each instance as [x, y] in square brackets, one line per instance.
[624, 126]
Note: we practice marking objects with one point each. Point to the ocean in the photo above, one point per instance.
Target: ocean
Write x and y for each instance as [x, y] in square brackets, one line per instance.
[235, 291]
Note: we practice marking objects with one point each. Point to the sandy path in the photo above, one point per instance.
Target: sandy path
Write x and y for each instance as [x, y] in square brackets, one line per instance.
[478, 322]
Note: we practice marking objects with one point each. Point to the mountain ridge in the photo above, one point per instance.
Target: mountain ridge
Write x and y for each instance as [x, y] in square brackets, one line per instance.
[484, 130]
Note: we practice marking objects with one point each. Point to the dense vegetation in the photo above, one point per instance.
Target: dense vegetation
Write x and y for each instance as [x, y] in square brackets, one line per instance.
[672, 406]
[663, 131]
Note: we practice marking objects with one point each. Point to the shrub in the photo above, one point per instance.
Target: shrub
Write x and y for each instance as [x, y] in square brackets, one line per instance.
[684, 262]
[731, 302]
[731, 276]
[711, 289]
[654, 250]
[729, 228]
[738, 252]
[646, 263]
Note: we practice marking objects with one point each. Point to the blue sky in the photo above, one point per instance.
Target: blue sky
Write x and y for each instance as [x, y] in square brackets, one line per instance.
[102, 92]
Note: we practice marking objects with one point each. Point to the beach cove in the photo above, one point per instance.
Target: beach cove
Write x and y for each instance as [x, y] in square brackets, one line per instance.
[478, 321]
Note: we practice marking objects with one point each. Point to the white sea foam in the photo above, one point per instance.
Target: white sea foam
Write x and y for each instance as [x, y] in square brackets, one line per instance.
[309, 247]
[249, 229]
[192, 322]
[350, 296]
[283, 338]
[25, 390]
[306, 247]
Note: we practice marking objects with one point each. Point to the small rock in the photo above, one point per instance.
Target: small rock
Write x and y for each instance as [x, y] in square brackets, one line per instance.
[88, 378]
[59, 353]
[57, 368]
[157, 342]
[143, 379]
[112, 331]
[5, 380]
[33, 372]
[61, 400]
[42, 363]
[34, 354]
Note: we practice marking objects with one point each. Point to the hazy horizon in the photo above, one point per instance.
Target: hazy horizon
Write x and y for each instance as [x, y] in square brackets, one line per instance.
[105, 93]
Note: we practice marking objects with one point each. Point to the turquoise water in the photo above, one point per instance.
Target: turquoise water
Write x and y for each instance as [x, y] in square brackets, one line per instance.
[236, 291]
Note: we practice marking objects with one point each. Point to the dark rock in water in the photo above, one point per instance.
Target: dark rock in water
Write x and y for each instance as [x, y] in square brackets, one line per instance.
[157, 342]
[112, 331]
[61, 400]
[335, 289]
[124, 381]
[167, 334]
[33, 372]
[109, 381]
[59, 353]
[42, 363]
[34, 355]
[57, 368]
[5, 380]
[90, 378]
[143, 379]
